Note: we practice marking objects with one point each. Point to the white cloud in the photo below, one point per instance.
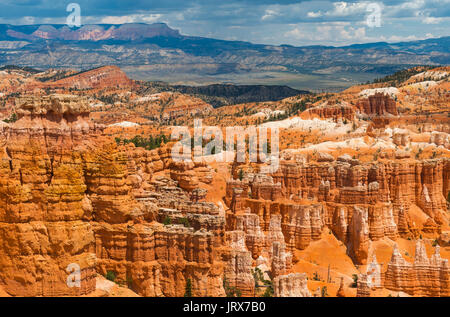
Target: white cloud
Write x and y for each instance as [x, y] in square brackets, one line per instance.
[432, 20]
[415, 4]
[297, 34]
[343, 9]
[352, 33]
[314, 14]
[269, 14]
[335, 32]
[28, 20]
[148, 18]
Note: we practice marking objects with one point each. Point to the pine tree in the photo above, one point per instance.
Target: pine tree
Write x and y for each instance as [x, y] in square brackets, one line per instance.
[188, 288]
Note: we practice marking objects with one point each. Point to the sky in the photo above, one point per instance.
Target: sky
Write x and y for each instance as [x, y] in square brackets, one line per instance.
[259, 21]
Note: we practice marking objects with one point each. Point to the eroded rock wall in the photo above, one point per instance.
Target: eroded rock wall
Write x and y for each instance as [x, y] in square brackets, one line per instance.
[71, 196]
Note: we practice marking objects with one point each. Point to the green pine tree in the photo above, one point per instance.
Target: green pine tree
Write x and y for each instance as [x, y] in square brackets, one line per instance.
[241, 174]
[188, 288]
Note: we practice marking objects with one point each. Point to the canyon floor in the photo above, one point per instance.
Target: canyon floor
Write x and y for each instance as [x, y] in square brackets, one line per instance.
[358, 204]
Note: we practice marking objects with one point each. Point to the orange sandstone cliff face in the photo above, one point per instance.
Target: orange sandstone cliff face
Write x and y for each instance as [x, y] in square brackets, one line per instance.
[359, 202]
[44, 207]
[362, 204]
[425, 277]
[331, 111]
[69, 196]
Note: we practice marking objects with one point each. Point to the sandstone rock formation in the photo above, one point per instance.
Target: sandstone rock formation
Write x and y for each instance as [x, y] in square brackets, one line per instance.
[331, 111]
[238, 269]
[444, 239]
[425, 277]
[359, 236]
[363, 289]
[378, 104]
[69, 196]
[341, 292]
[43, 209]
[360, 202]
[291, 285]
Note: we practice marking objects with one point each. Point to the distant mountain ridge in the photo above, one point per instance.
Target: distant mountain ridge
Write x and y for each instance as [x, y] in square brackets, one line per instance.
[158, 52]
[142, 31]
[89, 32]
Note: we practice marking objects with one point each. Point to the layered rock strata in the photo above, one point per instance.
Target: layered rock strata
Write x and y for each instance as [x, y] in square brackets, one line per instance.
[72, 198]
[378, 104]
[336, 193]
[425, 277]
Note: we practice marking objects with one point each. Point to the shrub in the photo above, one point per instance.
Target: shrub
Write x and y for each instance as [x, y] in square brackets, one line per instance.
[184, 222]
[230, 291]
[149, 144]
[316, 277]
[418, 153]
[111, 276]
[167, 221]
[269, 291]
[257, 275]
[13, 118]
[355, 281]
[241, 174]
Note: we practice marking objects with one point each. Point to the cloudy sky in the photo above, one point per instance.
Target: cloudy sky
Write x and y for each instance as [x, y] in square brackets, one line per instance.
[259, 21]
